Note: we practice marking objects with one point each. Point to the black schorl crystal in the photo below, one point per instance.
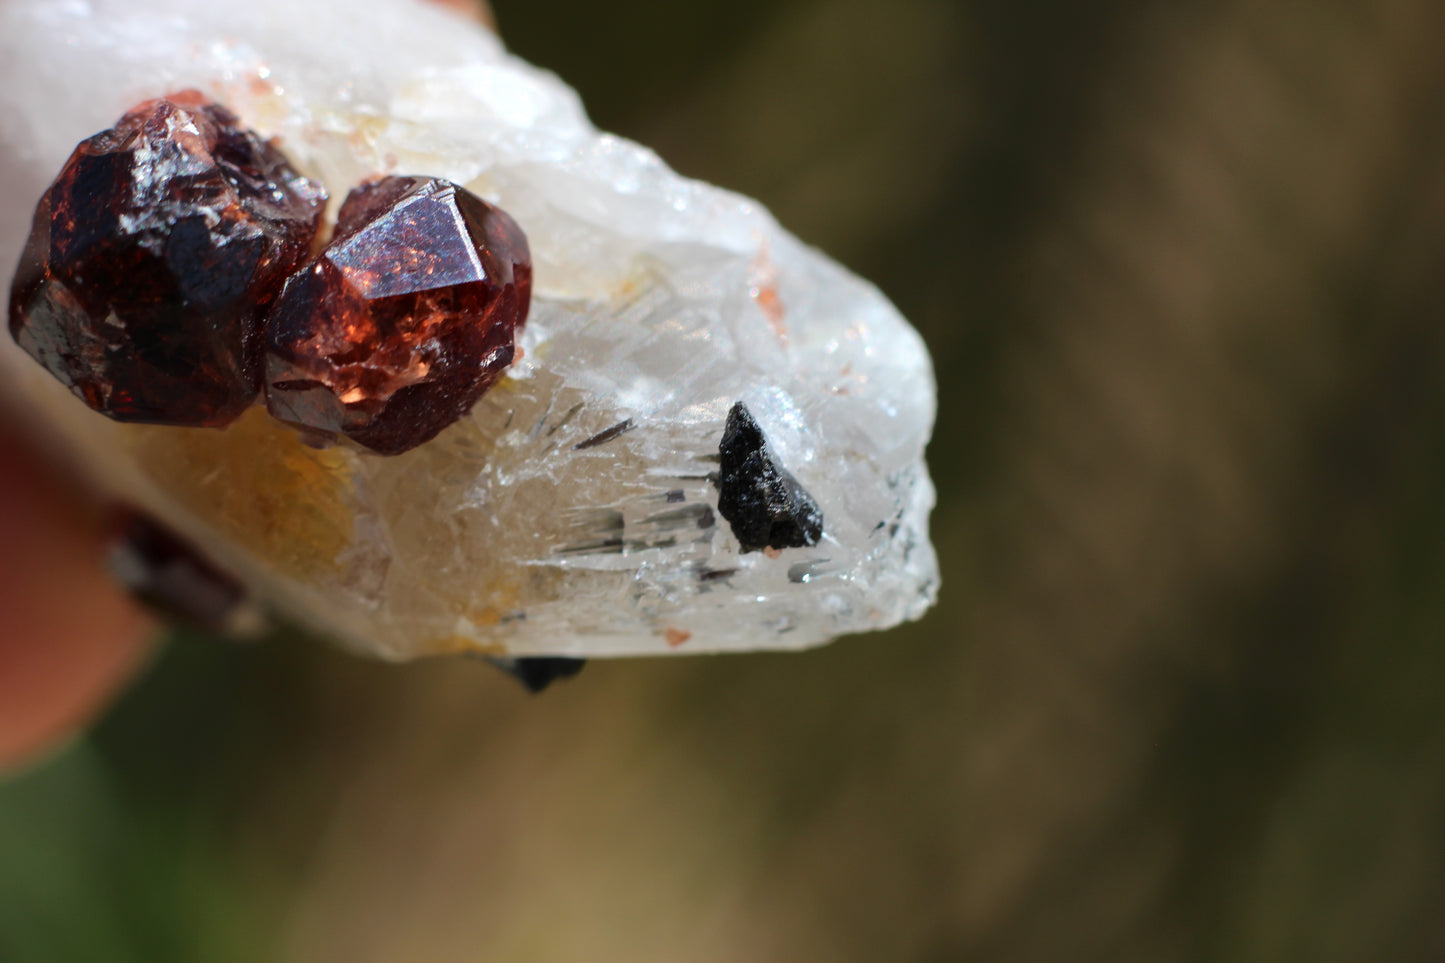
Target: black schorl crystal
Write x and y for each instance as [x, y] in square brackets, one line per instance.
[763, 503]
[538, 672]
[172, 576]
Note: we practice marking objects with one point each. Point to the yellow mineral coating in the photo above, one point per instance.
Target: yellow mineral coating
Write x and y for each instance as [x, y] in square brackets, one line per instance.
[486, 617]
[256, 482]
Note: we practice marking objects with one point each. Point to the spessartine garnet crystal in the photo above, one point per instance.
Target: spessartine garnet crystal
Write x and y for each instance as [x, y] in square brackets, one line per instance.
[153, 259]
[404, 321]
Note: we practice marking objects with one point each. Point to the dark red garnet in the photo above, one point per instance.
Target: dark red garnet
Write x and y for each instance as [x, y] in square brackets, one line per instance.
[153, 258]
[404, 321]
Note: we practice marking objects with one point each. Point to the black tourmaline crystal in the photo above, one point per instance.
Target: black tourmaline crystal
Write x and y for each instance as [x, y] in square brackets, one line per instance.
[763, 503]
[172, 576]
[538, 672]
[153, 259]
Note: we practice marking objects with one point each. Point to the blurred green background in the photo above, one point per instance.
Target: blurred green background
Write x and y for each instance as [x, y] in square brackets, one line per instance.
[1179, 263]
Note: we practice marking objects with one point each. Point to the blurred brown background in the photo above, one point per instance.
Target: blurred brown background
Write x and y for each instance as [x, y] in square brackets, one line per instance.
[1179, 263]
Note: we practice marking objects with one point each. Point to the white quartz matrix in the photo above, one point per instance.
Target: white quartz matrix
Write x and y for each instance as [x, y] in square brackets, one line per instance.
[660, 302]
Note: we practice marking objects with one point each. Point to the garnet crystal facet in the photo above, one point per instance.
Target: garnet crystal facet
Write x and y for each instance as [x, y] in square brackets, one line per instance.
[404, 321]
[152, 261]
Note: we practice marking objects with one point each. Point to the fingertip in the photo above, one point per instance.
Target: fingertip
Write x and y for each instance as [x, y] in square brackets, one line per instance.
[69, 635]
[479, 10]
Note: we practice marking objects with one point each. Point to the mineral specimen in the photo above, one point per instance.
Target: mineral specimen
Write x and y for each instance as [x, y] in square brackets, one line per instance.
[404, 321]
[152, 259]
[573, 511]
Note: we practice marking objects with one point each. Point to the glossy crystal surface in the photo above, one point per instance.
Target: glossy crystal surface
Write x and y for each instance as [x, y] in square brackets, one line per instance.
[763, 503]
[404, 321]
[152, 259]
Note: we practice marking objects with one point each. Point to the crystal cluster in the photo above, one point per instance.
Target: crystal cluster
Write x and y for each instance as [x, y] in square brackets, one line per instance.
[710, 436]
[149, 286]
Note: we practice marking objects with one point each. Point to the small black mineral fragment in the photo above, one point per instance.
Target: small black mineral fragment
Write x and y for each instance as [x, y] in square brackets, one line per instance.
[764, 504]
[171, 575]
[538, 672]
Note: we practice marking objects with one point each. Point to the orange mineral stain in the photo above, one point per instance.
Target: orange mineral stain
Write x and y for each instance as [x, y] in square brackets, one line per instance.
[764, 291]
[261, 486]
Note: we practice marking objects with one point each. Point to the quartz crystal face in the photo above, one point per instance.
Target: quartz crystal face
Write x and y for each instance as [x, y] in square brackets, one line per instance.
[152, 259]
[606, 496]
[404, 321]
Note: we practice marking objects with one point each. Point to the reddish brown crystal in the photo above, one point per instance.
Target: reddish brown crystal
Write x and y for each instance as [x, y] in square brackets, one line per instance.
[404, 321]
[153, 258]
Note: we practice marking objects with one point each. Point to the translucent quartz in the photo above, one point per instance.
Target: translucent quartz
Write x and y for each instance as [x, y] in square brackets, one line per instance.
[575, 511]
